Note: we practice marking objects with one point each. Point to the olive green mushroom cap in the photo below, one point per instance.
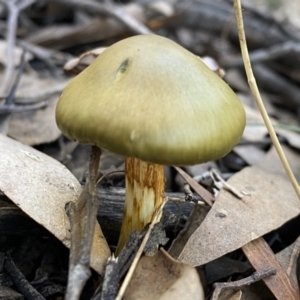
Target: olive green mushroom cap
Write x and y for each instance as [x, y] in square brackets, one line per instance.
[148, 97]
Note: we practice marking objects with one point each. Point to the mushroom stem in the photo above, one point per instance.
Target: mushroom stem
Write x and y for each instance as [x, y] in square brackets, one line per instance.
[145, 184]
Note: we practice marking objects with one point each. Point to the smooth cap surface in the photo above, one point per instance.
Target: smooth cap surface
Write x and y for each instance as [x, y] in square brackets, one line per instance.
[148, 97]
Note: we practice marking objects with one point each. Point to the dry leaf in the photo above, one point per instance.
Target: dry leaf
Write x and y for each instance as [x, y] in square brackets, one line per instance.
[33, 89]
[161, 277]
[272, 164]
[269, 202]
[37, 126]
[78, 64]
[194, 221]
[41, 187]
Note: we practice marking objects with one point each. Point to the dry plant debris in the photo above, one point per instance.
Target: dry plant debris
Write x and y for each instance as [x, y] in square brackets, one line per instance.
[226, 237]
[238, 221]
[41, 187]
[162, 277]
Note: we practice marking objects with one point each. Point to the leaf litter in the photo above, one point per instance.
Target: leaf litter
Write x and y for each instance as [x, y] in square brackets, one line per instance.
[269, 201]
[265, 179]
[41, 187]
[162, 277]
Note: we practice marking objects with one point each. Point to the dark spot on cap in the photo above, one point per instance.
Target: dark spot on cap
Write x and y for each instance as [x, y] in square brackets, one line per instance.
[124, 66]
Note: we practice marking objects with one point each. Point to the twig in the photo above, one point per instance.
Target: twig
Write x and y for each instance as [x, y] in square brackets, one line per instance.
[138, 254]
[79, 268]
[14, 8]
[20, 281]
[111, 10]
[267, 54]
[76, 271]
[12, 108]
[40, 95]
[110, 174]
[116, 268]
[258, 99]
[216, 176]
[201, 191]
[10, 97]
[47, 55]
[110, 281]
[237, 285]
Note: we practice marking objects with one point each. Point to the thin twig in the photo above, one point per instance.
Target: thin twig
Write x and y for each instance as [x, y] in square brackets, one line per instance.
[258, 99]
[207, 197]
[50, 57]
[76, 271]
[118, 267]
[110, 281]
[227, 186]
[110, 10]
[20, 281]
[79, 270]
[11, 96]
[39, 95]
[109, 175]
[237, 285]
[6, 109]
[14, 8]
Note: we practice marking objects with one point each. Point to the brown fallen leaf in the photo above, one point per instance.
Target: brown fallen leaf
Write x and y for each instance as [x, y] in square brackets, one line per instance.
[41, 187]
[162, 278]
[269, 202]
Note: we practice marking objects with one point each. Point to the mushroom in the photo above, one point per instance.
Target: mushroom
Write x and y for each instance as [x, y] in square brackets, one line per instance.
[154, 102]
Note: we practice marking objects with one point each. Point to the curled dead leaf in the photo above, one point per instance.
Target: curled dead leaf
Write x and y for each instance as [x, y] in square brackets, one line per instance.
[78, 64]
[41, 187]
